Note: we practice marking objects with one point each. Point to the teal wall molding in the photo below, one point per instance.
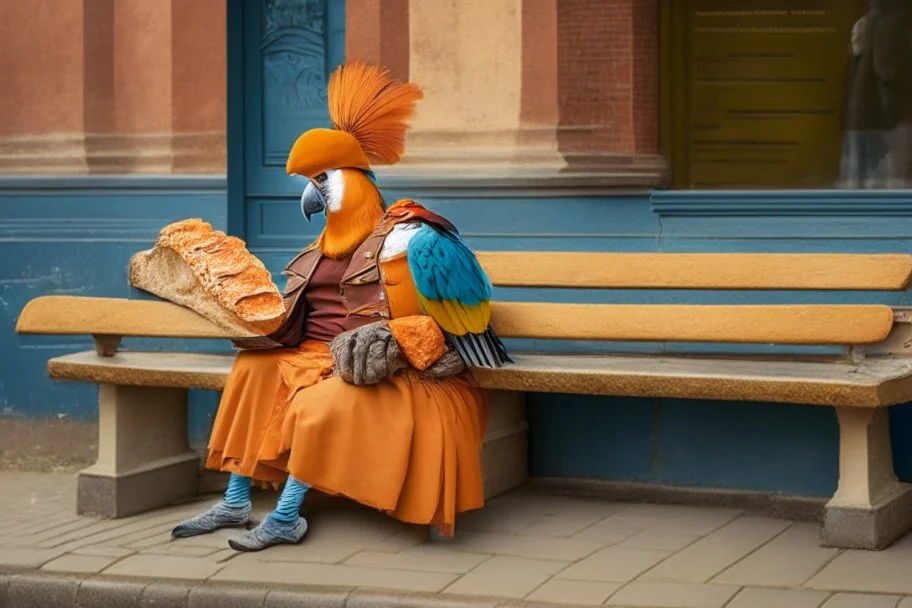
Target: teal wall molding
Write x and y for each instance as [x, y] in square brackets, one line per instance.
[782, 203]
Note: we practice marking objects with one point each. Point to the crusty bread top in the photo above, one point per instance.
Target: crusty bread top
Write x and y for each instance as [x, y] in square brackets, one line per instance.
[237, 279]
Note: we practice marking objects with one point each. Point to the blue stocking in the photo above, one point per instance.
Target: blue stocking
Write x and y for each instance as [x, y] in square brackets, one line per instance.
[238, 492]
[290, 501]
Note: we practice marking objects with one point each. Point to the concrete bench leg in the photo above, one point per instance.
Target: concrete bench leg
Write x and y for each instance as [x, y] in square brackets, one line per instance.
[871, 508]
[144, 460]
[505, 453]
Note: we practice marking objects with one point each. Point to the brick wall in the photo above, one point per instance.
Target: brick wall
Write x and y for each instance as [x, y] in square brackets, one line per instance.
[645, 97]
[608, 68]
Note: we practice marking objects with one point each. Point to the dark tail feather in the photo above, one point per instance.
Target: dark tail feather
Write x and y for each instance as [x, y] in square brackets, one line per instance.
[481, 350]
[498, 346]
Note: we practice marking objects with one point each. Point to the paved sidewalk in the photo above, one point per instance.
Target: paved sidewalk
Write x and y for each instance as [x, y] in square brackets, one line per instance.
[522, 548]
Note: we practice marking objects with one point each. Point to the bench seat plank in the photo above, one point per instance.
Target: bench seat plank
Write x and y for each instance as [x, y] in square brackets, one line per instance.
[153, 369]
[802, 271]
[876, 382]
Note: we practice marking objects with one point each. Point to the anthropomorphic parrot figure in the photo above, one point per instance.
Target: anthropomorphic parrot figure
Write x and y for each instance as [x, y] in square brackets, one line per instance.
[364, 390]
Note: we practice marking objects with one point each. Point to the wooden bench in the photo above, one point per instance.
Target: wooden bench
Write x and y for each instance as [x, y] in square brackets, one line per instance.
[144, 460]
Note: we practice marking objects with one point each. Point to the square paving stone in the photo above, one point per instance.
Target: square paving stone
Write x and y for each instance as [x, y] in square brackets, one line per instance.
[164, 566]
[86, 564]
[587, 593]
[778, 598]
[885, 572]
[290, 573]
[673, 595]
[430, 558]
[614, 565]
[862, 600]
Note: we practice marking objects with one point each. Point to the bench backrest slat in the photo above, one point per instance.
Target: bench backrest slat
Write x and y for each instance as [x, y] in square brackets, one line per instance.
[780, 324]
[887, 272]
[72, 315]
[804, 324]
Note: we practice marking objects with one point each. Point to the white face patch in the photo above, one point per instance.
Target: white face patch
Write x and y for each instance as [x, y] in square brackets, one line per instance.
[397, 242]
[334, 188]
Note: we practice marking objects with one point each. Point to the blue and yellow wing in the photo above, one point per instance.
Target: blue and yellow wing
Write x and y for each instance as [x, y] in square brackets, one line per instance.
[455, 291]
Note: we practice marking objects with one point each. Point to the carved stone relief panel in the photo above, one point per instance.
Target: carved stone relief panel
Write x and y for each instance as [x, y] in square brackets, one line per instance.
[294, 72]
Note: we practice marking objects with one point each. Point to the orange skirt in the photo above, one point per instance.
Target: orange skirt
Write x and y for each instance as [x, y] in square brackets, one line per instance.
[409, 447]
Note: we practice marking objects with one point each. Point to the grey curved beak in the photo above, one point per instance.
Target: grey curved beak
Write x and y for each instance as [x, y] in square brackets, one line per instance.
[312, 201]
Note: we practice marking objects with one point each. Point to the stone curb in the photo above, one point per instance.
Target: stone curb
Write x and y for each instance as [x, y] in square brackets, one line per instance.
[31, 589]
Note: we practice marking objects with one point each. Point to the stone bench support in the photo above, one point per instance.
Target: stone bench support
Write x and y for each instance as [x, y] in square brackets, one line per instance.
[871, 507]
[144, 459]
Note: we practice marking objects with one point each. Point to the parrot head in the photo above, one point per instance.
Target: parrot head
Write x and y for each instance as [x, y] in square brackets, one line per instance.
[369, 112]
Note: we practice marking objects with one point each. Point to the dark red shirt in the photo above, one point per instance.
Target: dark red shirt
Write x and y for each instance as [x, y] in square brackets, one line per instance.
[326, 315]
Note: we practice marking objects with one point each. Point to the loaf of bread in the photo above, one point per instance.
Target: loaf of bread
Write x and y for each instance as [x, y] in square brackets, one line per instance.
[213, 274]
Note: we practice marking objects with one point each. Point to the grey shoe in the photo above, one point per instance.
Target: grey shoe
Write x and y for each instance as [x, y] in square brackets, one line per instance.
[269, 533]
[219, 516]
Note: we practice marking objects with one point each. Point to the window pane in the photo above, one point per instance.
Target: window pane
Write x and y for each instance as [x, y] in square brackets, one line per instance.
[774, 95]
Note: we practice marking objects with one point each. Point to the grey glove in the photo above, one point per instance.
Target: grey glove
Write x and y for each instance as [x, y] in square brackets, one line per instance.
[450, 364]
[366, 355]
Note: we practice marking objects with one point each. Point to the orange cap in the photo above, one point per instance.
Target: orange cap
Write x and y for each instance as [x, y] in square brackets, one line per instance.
[370, 113]
[320, 150]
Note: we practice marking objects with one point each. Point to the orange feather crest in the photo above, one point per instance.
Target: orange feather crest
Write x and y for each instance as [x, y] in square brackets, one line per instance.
[366, 102]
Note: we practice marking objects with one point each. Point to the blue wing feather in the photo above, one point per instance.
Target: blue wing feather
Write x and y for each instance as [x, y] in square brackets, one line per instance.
[444, 268]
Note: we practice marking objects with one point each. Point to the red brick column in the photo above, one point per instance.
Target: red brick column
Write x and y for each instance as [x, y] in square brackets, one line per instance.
[646, 77]
[608, 81]
[539, 107]
[41, 87]
[198, 86]
[531, 89]
[112, 86]
[377, 31]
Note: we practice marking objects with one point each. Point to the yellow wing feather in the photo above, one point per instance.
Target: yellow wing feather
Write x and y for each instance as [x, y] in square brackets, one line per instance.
[456, 318]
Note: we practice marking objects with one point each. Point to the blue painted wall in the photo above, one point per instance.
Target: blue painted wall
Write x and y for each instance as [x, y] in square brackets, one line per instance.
[779, 448]
[76, 236]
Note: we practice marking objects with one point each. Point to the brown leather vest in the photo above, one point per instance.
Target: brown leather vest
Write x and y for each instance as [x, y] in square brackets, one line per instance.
[361, 287]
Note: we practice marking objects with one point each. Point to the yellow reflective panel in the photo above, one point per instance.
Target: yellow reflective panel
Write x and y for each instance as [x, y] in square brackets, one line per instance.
[765, 85]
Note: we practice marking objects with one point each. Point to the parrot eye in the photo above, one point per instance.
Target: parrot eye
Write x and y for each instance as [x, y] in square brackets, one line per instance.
[320, 179]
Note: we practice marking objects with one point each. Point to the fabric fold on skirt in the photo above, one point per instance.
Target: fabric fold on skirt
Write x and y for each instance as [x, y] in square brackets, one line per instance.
[406, 446]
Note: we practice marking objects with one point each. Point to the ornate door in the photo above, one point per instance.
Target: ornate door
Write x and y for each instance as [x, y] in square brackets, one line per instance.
[281, 53]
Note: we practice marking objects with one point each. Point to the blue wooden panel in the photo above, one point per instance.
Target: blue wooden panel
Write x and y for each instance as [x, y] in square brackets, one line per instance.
[809, 233]
[96, 225]
[783, 203]
[290, 48]
[76, 236]
[583, 436]
[582, 224]
[900, 428]
[748, 446]
[745, 446]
